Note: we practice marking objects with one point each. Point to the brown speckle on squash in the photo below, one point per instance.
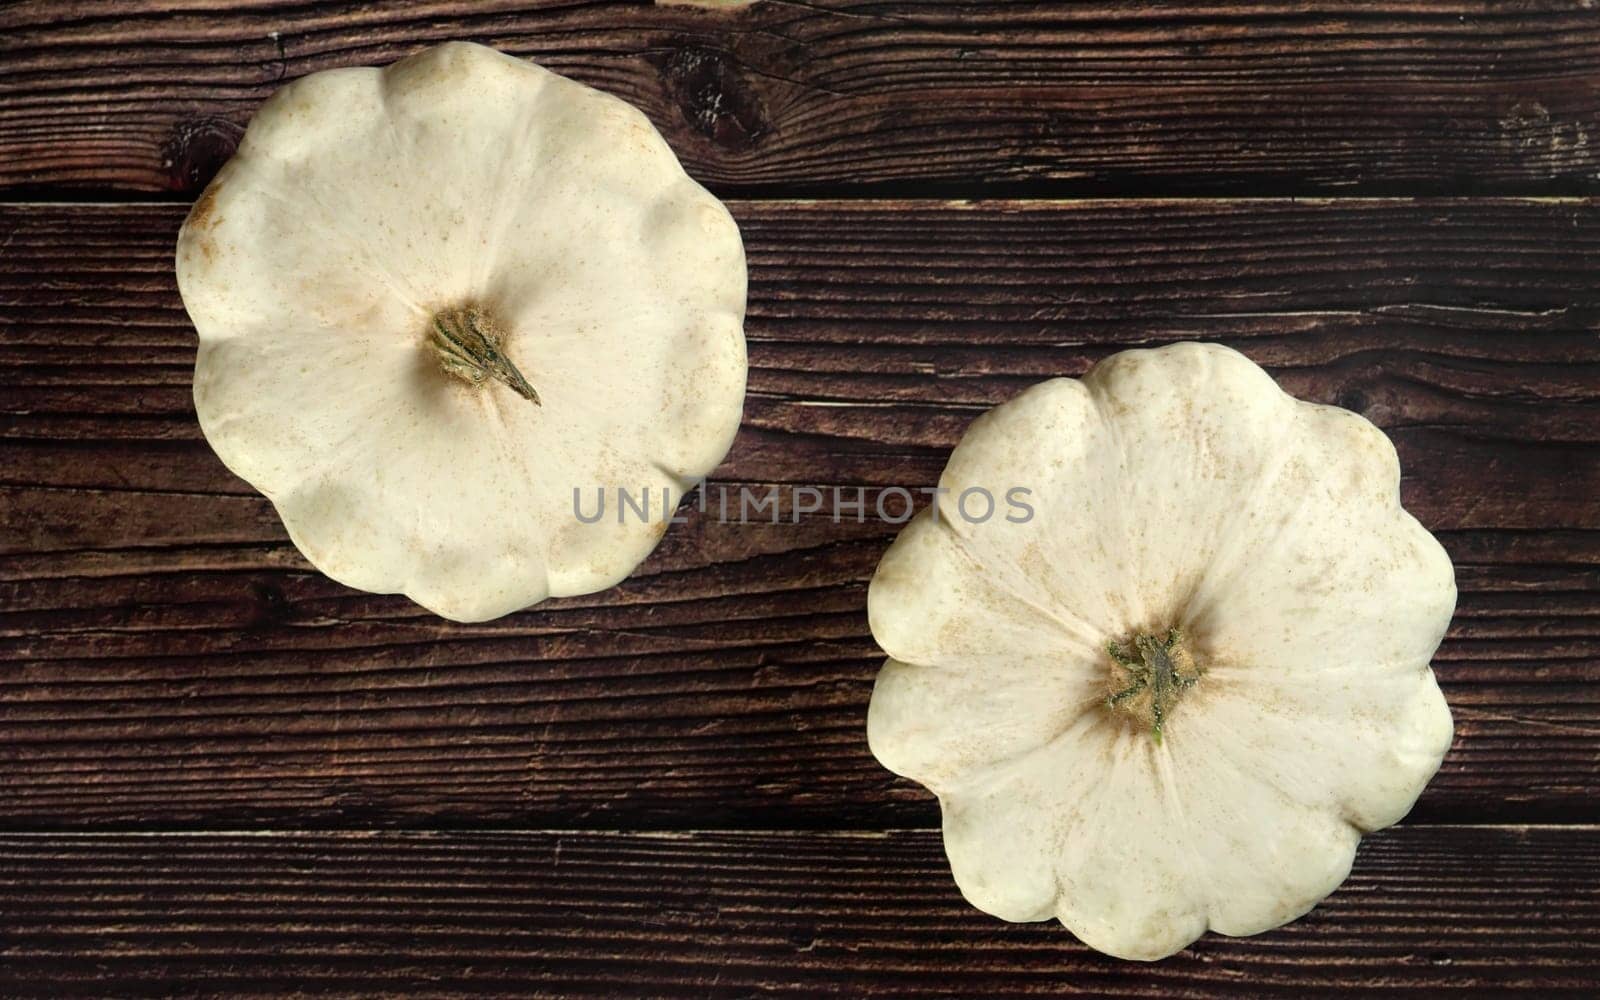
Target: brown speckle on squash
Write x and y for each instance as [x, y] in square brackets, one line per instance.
[200, 217]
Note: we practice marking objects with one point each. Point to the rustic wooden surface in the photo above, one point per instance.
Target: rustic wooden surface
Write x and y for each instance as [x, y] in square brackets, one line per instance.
[785, 97]
[187, 667]
[1490, 911]
[224, 775]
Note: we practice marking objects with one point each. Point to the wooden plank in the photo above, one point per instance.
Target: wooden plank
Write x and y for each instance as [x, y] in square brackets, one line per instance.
[174, 662]
[1483, 911]
[1096, 97]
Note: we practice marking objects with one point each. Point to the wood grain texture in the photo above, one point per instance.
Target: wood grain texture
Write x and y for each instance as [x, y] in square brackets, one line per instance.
[174, 661]
[1428, 911]
[1100, 97]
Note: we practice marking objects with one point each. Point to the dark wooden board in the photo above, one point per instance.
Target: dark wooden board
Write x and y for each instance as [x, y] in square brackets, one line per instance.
[169, 664]
[172, 660]
[1101, 97]
[1472, 911]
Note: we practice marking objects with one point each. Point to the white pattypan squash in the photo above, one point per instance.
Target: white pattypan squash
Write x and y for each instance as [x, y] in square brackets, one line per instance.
[435, 299]
[1176, 696]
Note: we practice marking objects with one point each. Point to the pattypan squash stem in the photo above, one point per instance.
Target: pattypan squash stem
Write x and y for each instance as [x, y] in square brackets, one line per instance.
[468, 345]
[1163, 667]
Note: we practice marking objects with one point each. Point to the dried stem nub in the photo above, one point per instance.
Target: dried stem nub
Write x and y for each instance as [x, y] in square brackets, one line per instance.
[1159, 668]
[468, 345]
